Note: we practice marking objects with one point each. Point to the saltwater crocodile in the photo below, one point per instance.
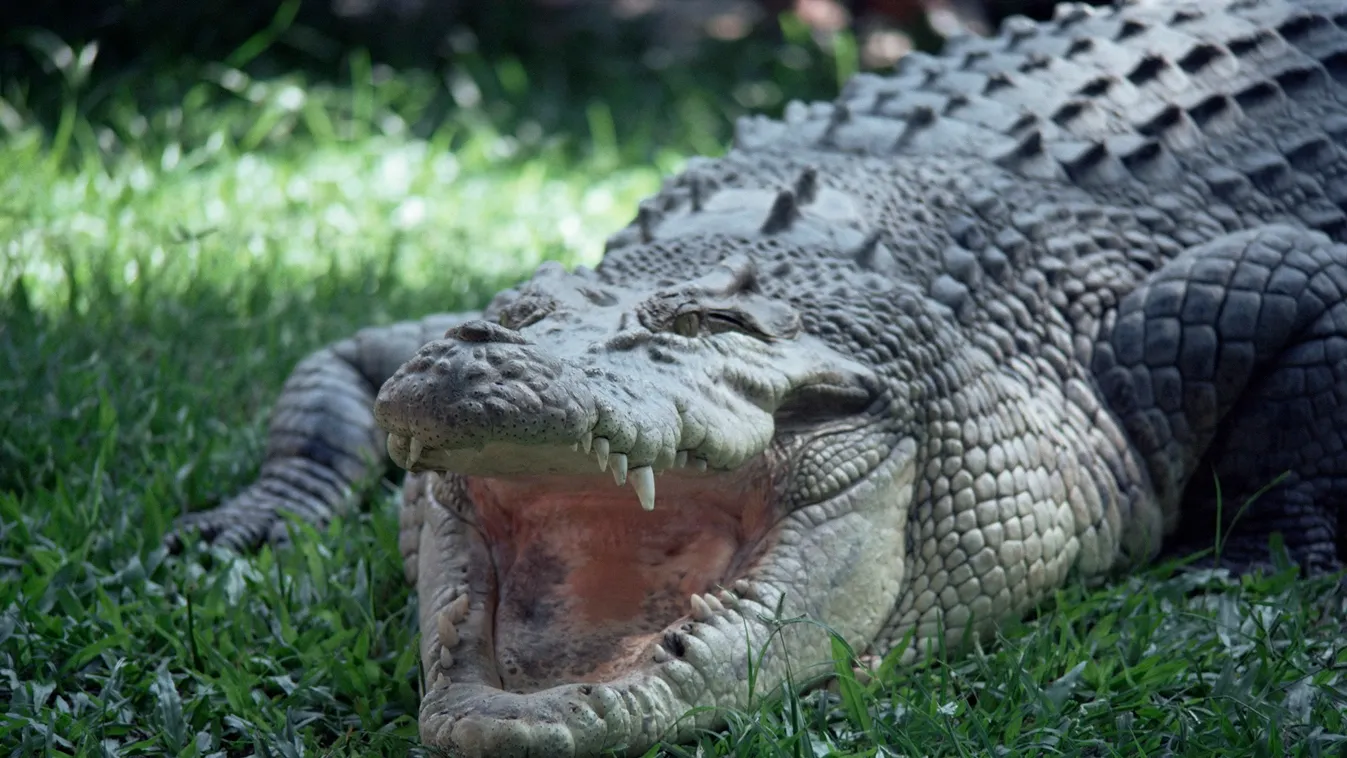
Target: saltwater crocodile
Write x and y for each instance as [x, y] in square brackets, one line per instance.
[1041, 307]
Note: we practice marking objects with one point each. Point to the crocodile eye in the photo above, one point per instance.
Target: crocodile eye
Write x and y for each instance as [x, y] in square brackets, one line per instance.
[688, 324]
[727, 321]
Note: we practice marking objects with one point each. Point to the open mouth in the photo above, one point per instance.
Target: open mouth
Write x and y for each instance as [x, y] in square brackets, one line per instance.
[607, 537]
[582, 580]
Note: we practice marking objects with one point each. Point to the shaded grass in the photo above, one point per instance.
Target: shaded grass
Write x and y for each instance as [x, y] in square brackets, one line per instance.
[165, 269]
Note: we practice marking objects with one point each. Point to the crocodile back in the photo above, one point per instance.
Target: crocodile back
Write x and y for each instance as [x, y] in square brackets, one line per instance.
[1238, 108]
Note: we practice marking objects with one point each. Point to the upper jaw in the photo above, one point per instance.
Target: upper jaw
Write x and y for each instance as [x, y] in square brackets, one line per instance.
[506, 406]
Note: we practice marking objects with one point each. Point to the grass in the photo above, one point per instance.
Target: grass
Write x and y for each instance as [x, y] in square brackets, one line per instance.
[165, 265]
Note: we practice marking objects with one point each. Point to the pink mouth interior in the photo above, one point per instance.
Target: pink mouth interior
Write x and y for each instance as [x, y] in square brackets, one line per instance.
[586, 582]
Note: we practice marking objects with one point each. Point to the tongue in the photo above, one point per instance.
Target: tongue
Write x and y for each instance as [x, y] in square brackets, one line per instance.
[587, 583]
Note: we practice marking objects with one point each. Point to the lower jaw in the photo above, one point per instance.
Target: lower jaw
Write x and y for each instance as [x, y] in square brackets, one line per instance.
[642, 697]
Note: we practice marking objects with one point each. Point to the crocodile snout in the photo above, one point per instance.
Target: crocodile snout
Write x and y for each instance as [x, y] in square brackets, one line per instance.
[481, 384]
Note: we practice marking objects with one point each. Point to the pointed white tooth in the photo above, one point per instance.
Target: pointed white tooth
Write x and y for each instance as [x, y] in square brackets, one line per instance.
[586, 441]
[660, 655]
[619, 463]
[438, 680]
[575, 446]
[643, 481]
[413, 452]
[446, 658]
[680, 459]
[699, 464]
[448, 632]
[713, 602]
[601, 452]
[700, 610]
[457, 610]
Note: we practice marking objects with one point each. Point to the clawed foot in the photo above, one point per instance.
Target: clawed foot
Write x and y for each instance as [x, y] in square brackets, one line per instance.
[258, 514]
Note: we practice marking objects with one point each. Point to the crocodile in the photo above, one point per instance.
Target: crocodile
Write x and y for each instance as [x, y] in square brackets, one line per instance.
[1039, 309]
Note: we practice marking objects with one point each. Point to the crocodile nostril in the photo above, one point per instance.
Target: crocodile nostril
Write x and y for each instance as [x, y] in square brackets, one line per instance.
[483, 331]
[514, 370]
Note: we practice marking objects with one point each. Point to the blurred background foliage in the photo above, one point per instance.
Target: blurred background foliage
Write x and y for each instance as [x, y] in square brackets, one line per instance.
[90, 71]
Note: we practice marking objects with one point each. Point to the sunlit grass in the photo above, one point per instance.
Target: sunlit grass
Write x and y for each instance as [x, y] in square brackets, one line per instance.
[427, 215]
[163, 268]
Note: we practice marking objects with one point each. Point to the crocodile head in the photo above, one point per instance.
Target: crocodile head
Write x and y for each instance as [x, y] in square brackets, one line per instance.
[641, 472]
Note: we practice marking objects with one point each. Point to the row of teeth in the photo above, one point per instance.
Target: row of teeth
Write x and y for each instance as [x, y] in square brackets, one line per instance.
[702, 608]
[642, 478]
[705, 607]
[455, 613]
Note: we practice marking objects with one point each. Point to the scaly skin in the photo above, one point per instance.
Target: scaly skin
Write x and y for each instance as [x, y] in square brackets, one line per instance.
[901, 363]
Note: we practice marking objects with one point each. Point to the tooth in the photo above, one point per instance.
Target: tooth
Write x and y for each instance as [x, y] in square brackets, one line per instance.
[601, 452]
[619, 463]
[680, 459]
[699, 464]
[413, 452]
[742, 588]
[448, 632]
[728, 599]
[643, 481]
[457, 610]
[700, 610]
[586, 440]
[438, 680]
[446, 658]
[575, 446]
[713, 602]
[661, 655]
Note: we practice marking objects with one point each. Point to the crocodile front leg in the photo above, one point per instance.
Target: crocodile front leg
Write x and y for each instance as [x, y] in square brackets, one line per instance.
[1229, 366]
[322, 441]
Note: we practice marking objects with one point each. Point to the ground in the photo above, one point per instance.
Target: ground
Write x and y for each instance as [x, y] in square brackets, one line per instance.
[163, 269]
